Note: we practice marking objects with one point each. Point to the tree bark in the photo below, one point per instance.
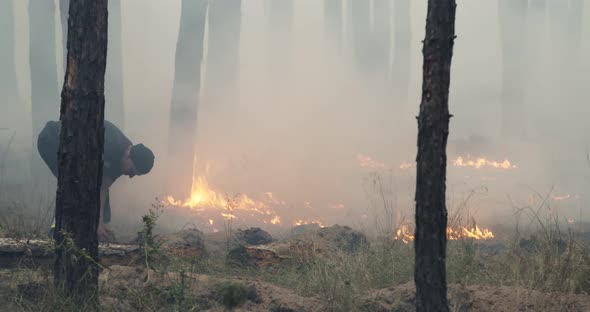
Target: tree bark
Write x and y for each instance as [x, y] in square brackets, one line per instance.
[514, 65]
[401, 50]
[42, 58]
[10, 105]
[185, 96]
[114, 85]
[333, 21]
[80, 151]
[433, 129]
[64, 7]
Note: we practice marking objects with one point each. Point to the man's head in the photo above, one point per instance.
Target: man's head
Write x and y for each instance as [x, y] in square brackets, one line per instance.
[138, 160]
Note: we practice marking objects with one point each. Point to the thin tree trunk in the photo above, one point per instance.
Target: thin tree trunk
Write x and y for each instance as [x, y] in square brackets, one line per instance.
[359, 20]
[185, 96]
[514, 65]
[280, 25]
[223, 57]
[433, 129]
[114, 86]
[401, 50]
[576, 24]
[333, 21]
[11, 116]
[44, 85]
[382, 39]
[80, 152]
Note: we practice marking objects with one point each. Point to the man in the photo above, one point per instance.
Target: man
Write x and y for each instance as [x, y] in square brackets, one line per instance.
[120, 157]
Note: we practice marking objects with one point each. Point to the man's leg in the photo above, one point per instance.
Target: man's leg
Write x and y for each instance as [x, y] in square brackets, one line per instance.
[106, 213]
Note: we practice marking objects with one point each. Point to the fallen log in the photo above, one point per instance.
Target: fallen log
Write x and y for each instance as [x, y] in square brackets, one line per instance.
[15, 252]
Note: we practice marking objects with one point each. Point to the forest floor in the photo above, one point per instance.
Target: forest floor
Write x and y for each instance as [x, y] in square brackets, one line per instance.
[312, 269]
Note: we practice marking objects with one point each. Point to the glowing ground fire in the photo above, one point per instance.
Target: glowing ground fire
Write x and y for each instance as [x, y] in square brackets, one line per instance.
[204, 198]
[406, 234]
[460, 161]
[212, 204]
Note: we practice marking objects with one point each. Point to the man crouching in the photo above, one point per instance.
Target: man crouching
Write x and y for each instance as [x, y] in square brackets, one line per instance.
[120, 157]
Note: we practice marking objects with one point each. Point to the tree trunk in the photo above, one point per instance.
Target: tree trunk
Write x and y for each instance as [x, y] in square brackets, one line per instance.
[280, 24]
[333, 21]
[382, 39]
[223, 57]
[359, 20]
[433, 129]
[80, 151]
[401, 51]
[185, 96]
[514, 65]
[114, 94]
[64, 7]
[44, 85]
[114, 86]
[10, 105]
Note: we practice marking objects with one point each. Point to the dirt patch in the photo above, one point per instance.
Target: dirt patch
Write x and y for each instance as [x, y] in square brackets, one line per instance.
[475, 298]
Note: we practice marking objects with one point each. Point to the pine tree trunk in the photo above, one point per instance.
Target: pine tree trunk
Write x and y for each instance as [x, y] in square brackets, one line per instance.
[280, 25]
[359, 29]
[44, 85]
[433, 129]
[64, 7]
[185, 97]
[10, 105]
[114, 86]
[514, 65]
[80, 151]
[333, 21]
[382, 39]
[114, 94]
[223, 57]
[401, 51]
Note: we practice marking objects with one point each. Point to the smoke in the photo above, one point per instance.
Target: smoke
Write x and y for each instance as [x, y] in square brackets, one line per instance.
[295, 127]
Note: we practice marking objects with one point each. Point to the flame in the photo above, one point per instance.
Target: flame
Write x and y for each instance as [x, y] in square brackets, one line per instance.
[305, 222]
[406, 235]
[204, 198]
[368, 162]
[275, 220]
[482, 162]
[406, 165]
[564, 197]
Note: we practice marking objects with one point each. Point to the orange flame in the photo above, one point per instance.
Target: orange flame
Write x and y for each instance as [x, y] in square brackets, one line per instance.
[305, 222]
[406, 235]
[368, 162]
[482, 162]
[203, 197]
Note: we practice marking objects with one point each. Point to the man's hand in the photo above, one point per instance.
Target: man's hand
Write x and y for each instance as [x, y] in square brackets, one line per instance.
[101, 232]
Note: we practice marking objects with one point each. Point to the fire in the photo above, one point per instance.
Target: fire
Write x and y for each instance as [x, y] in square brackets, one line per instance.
[302, 222]
[275, 220]
[406, 165]
[368, 162]
[482, 162]
[406, 235]
[204, 198]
